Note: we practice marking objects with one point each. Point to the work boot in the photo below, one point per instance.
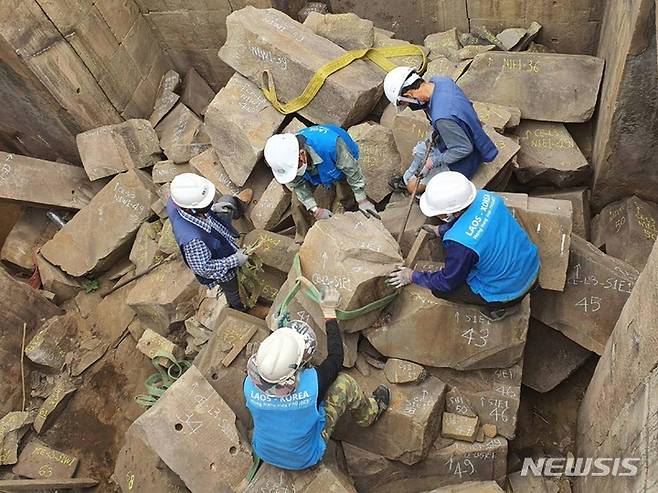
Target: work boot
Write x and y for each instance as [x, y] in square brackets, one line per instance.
[397, 184]
[383, 397]
[243, 201]
[501, 313]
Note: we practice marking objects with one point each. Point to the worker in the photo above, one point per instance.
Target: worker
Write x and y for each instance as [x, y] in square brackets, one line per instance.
[458, 141]
[205, 234]
[489, 259]
[295, 407]
[317, 155]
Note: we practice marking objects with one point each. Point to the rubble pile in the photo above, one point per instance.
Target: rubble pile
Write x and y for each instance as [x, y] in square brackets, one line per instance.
[113, 296]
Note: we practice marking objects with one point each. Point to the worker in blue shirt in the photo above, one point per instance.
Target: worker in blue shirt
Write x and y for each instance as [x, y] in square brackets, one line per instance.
[490, 260]
[459, 143]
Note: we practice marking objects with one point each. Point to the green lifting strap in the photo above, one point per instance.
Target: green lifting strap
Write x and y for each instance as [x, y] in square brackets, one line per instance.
[159, 382]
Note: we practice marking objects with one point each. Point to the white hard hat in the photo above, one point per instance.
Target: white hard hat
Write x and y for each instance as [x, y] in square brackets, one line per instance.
[280, 355]
[447, 193]
[282, 155]
[192, 191]
[396, 80]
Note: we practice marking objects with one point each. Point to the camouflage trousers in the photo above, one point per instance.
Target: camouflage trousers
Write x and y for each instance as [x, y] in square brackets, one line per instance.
[346, 395]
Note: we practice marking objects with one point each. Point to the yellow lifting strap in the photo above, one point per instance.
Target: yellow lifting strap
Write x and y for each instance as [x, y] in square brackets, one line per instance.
[379, 56]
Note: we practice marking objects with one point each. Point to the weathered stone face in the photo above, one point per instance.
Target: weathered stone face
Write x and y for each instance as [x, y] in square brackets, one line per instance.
[208, 165]
[348, 31]
[597, 287]
[494, 175]
[393, 218]
[178, 133]
[548, 87]
[32, 230]
[63, 286]
[275, 250]
[498, 116]
[38, 460]
[511, 37]
[406, 431]
[166, 171]
[443, 44]
[401, 371]
[318, 479]
[378, 157]
[145, 247]
[471, 487]
[239, 120]
[271, 206]
[266, 39]
[550, 156]
[196, 93]
[459, 427]
[114, 215]
[579, 199]
[166, 97]
[427, 330]
[444, 67]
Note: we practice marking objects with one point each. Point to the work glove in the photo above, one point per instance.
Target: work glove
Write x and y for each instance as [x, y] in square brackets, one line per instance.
[426, 169]
[400, 277]
[223, 207]
[242, 257]
[320, 213]
[368, 208]
[329, 299]
[432, 230]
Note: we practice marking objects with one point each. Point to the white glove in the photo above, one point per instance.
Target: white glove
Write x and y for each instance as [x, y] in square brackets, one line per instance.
[242, 257]
[368, 208]
[432, 230]
[320, 213]
[223, 208]
[400, 277]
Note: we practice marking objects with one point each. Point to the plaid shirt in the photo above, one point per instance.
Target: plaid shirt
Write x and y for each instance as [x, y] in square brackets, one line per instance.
[199, 256]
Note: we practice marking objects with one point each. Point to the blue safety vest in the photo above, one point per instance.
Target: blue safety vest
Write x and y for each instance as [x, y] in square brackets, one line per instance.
[322, 138]
[185, 231]
[288, 430]
[449, 102]
[508, 262]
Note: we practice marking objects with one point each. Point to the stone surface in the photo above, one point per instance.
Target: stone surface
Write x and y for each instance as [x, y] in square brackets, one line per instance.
[166, 97]
[538, 484]
[38, 461]
[145, 247]
[318, 479]
[443, 66]
[393, 218]
[407, 60]
[471, 51]
[178, 132]
[579, 198]
[510, 37]
[275, 250]
[54, 404]
[408, 428]
[401, 371]
[597, 287]
[151, 343]
[268, 39]
[459, 427]
[114, 214]
[550, 156]
[497, 116]
[239, 120]
[59, 185]
[13, 427]
[113, 149]
[470, 487]
[548, 87]
[193, 431]
[348, 31]
[271, 206]
[165, 171]
[63, 286]
[418, 327]
[56, 337]
[447, 463]
[490, 430]
[443, 44]
[378, 157]
[32, 230]
[494, 175]
[549, 357]
[208, 165]
[196, 93]
[627, 230]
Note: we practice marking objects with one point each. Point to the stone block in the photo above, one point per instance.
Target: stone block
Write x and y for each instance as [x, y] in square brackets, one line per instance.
[113, 149]
[271, 206]
[168, 294]
[317, 479]
[196, 93]
[354, 254]
[470, 487]
[378, 157]
[494, 175]
[511, 37]
[13, 427]
[55, 338]
[627, 230]
[393, 218]
[54, 405]
[444, 67]
[166, 97]
[145, 247]
[193, 431]
[114, 215]
[446, 464]
[178, 133]
[459, 427]
[275, 250]
[32, 230]
[167, 241]
[418, 327]
[549, 357]
[151, 343]
[239, 120]
[444, 44]
[165, 171]
[63, 286]
[208, 165]
[498, 116]
[401, 371]
[348, 31]
[545, 86]
[597, 287]
[579, 198]
[408, 428]
[267, 39]
[38, 461]
[471, 51]
[407, 60]
[550, 156]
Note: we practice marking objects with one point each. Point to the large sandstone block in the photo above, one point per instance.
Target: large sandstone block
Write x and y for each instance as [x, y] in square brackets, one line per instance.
[63, 286]
[348, 31]
[113, 149]
[443, 44]
[239, 120]
[353, 254]
[193, 431]
[408, 428]
[545, 86]
[627, 230]
[180, 134]
[550, 156]
[448, 462]
[208, 165]
[471, 487]
[114, 215]
[445, 67]
[378, 156]
[393, 217]
[271, 206]
[427, 330]
[498, 116]
[267, 39]
[275, 250]
[579, 198]
[322, 478]
[196, 93]
[597, 287]
[37, 460]
[32, 230]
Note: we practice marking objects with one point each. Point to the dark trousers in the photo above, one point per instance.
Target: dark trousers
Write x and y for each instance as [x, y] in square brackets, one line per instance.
[232, 294]
[464, 294]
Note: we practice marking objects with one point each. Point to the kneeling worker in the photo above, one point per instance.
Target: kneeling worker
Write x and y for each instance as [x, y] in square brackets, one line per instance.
[317, 155]
[489, 259]
[294, 407]
[205, 234]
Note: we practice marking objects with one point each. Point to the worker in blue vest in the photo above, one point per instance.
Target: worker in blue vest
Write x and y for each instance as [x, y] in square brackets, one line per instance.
[489, 259]
[294, 406]
[205, 234]
[459, 143]
[318, 155]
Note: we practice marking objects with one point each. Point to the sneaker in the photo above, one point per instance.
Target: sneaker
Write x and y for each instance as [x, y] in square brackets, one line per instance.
[397, 184]
[501, 313]
[383, 397]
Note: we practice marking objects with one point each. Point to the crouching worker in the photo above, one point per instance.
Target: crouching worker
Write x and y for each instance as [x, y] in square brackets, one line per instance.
[489, 259]
[205, 234]
[295, 407]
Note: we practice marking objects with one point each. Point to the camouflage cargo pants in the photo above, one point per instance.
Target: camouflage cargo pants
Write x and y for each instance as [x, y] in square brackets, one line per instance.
[346, 395]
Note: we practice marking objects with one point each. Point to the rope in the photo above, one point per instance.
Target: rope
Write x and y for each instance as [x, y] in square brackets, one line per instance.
[379, 56]
[159, 382]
